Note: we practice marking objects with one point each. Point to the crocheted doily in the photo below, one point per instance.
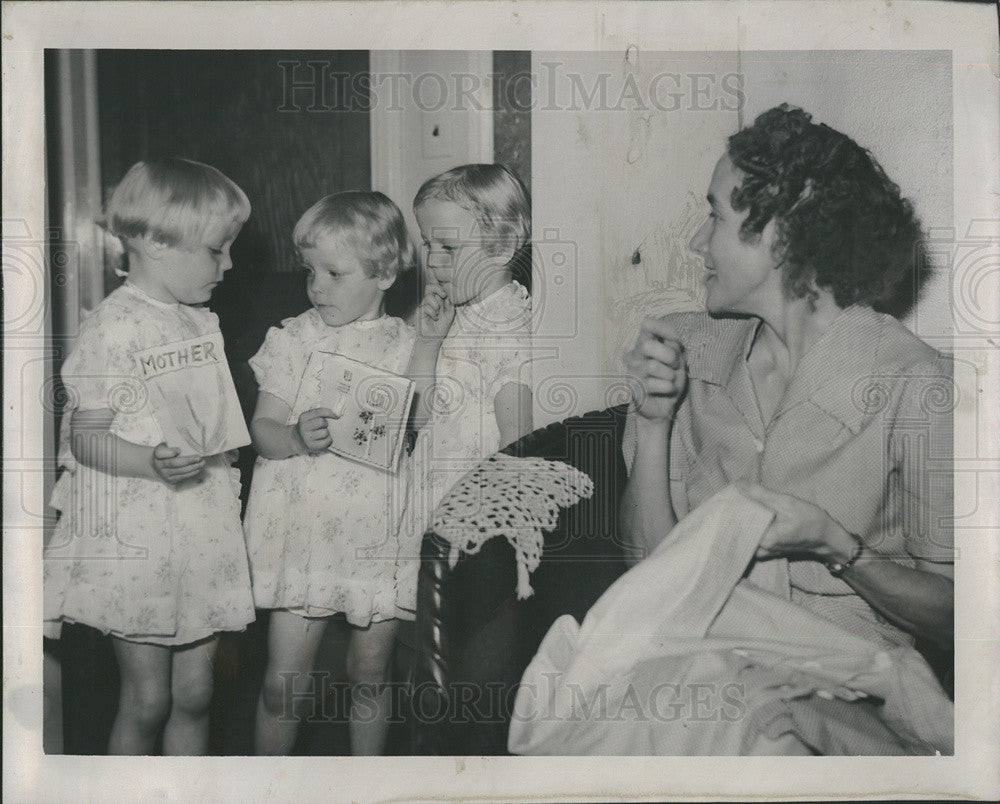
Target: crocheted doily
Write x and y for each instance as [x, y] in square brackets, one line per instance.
[516, 498]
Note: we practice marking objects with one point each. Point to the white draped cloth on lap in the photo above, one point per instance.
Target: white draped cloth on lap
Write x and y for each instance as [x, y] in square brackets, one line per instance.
[683, 655]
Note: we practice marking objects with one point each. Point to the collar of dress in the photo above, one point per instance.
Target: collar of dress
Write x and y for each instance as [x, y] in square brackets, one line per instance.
[838, 373]
[511, 290]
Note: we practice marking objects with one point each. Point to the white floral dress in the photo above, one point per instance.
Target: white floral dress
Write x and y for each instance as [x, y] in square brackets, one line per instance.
[137, 558]
[322, 530]
[487, 347]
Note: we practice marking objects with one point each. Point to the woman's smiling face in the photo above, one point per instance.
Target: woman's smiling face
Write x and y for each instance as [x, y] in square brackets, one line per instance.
[742, 277]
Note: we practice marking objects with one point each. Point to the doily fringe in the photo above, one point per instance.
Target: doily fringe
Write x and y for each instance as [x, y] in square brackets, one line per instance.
[517, 498]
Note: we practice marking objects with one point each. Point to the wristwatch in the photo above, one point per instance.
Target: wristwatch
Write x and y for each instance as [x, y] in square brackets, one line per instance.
[838, 568]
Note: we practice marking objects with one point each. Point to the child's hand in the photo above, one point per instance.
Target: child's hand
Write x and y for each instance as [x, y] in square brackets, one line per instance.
[312, 430]
[657, 362]
[436, 312]
[174, 468]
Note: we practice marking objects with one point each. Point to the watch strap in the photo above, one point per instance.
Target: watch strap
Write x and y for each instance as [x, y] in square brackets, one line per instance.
[838, 568]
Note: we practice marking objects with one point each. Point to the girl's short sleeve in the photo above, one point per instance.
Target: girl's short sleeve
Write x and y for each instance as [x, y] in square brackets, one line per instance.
[407, 340]
[278, 365]
[509, 363]
[100, 369]
[399, 339]
[508, 358]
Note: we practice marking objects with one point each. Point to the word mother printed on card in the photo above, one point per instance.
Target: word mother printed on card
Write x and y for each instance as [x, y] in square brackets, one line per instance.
[193, 397]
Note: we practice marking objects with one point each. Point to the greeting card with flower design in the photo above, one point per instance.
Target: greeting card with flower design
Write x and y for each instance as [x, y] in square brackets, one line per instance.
[372, 407]
[192, 395]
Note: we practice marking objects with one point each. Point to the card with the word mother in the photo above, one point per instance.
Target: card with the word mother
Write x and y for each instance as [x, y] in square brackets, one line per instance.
[192, 395]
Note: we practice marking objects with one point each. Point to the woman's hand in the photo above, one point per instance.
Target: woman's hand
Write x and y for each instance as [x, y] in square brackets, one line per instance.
[918, 600]
[436, 313]
[172, 467]
[799, 529]
[657, 363]
[312, 430]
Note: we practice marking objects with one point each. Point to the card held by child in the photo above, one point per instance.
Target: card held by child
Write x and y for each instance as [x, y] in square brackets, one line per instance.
[193, 396]
[372, 405]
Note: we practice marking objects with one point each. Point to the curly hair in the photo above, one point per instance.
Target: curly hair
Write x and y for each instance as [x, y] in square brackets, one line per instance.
[841, 223]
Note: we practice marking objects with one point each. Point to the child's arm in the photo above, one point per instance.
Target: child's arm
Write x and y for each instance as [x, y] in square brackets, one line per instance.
[274, 439]
[94, 446]
[434, 320]
[512, 407]
[423, 363]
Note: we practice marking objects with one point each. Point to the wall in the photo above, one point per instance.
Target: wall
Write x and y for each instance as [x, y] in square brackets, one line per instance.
[623, 151]
[898, 105]
[512, 111]
[287, 126]
[431, 111]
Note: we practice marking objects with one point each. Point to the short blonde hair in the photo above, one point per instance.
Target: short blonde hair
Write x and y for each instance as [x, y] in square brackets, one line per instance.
[492, 194]
[173, 201]
[367, 223]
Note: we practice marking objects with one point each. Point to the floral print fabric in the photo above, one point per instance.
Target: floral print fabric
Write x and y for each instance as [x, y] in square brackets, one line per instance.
[321, 530]
[138, 558]
[487, 347]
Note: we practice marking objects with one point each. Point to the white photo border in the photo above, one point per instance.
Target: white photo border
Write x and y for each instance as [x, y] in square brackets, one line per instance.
[967, 30]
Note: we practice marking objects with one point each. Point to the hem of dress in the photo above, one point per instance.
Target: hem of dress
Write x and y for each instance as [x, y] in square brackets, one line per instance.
[52, 629]
[309, 612]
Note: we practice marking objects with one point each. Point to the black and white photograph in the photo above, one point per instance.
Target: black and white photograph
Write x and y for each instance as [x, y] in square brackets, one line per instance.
[501, 401]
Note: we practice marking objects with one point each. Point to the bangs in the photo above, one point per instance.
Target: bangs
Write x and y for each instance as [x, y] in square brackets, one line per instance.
[367, 224]
[492, 194]
[174, 202]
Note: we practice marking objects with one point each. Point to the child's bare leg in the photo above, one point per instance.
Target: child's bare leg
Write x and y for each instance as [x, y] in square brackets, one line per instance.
[292, 642]
[368, 657]
[191, 682]
[144, 702]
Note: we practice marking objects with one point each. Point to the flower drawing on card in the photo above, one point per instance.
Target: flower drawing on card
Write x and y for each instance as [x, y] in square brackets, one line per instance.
[360, 437]
[370, 407]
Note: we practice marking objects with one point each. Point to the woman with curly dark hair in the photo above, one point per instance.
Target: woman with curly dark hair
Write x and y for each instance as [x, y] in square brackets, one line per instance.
[831, 416]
